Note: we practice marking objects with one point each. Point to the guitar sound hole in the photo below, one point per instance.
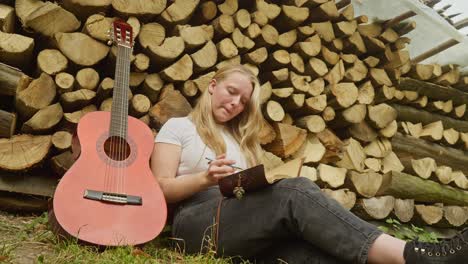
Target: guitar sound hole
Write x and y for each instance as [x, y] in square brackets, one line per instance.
[117, 148]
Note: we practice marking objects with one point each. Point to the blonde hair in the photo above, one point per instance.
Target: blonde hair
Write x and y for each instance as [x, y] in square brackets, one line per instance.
[244, 128]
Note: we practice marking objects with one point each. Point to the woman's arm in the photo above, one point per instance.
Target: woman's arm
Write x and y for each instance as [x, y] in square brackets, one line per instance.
[165, 161]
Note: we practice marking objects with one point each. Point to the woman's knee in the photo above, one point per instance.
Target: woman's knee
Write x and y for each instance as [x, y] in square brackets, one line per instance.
[297, 183]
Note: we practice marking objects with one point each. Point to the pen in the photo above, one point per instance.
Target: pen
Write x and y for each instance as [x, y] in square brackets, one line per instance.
[232, 166]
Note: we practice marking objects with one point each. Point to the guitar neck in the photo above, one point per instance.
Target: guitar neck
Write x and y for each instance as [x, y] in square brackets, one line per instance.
[119, 112]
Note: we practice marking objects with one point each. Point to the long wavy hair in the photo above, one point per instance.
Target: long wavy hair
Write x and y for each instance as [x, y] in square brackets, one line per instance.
[245, 127]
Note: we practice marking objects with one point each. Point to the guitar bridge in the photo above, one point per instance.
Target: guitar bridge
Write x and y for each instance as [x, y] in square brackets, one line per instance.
[116, 198]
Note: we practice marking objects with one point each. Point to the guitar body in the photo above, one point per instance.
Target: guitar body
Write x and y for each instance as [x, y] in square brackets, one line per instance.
[110, 166]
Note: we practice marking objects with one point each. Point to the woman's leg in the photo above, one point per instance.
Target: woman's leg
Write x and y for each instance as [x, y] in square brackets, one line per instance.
[294, 252]
[294, 208]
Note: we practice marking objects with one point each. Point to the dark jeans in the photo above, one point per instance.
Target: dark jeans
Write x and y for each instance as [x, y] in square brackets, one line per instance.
[292, 220]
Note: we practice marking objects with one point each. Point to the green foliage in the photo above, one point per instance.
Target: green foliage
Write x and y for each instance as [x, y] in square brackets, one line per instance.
[407, 231]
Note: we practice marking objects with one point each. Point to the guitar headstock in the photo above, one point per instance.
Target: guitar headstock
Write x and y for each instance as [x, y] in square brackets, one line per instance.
[122, 34]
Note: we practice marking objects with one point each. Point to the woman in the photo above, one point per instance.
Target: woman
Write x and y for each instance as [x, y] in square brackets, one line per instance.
[291, 220]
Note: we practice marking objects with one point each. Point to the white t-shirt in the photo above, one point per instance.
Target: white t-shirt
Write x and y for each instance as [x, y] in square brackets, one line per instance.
[182, 132]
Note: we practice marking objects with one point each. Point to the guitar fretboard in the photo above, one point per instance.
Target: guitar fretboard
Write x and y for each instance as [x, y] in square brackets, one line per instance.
[119, 112]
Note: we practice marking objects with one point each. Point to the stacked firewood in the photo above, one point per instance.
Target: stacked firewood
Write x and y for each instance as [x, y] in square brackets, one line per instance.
[335, 88]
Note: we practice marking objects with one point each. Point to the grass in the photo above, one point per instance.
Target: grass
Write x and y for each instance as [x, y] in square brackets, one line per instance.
[27, 239]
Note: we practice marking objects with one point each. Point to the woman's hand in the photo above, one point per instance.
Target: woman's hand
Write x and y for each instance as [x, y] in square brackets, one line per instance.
[218, 169]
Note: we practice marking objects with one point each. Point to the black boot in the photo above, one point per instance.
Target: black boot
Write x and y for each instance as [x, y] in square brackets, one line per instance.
[453, 250]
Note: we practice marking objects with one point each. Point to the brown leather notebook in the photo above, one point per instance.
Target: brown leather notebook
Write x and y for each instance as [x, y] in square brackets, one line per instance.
[254, 178]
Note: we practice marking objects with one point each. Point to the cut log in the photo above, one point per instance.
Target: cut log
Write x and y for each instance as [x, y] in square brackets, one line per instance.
[153, 35]
[274, 111]
[223, 25]
[178, 12]
[328, 114]
[324, 12]
[44, 120]
[167, 52]
[357, 72]
[288, 140]
[242, 42]
[459, 180]
[375, 208]
[87, 78]
[12, 80]
[51, 61]
[73, 101]
[365, 184]
[203, 81]
[80, 48]
[454, 216]
[353, 156]
[291, 17]
[391, 162]
[62, 140]
[278, 59]
[363, 132]
[85, 8]
[351, 115]
[62, 162]
[381, 115]
[345, 197]
[48, 19]
[265, 93]
[378, 148]
[287, 39]
[205, 57]
[16, 50]
[434, 91]
[444, 174]
[65, 82]
[404, 209]
[450, 136]
[329, 176]
[336, 74]
[406, 186]
[432, 131]
[345, 93]
[98, 26]
[141, 62]
[390, 130]
[256, 56]
[194, 37]
[270, 10]
[23, 151]
[172, 105]
[373, 164]
[139, 105]
[313, 123]
[140, 8]
[227, 49]
[206, 12]
[181, 70]
[428, 214]
[409, 148]
[406, 113]
[423, 167]
[7, 124]
[308, 48]
[333, 145]
[72, 119]
[312, 150]
[267, 134]
[7, 19]
[39, 94]
[228, 7]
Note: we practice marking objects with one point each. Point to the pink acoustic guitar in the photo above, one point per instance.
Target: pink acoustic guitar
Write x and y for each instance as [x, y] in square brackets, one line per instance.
[109, 197]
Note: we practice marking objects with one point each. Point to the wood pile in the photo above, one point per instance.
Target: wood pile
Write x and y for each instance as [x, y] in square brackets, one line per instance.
[383, 136]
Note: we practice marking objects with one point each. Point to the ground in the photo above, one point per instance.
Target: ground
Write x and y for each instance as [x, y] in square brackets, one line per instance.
[26, 239]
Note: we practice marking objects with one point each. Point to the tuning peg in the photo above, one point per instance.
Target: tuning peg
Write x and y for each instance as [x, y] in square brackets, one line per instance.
[109, 42]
